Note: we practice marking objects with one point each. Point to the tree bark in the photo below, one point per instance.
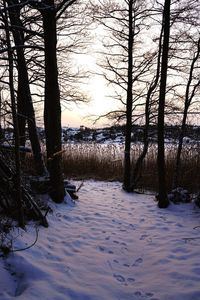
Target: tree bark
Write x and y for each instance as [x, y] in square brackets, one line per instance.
[25, 105]
[162, 193]
[52, 109]
[17, 177]
[129, 104]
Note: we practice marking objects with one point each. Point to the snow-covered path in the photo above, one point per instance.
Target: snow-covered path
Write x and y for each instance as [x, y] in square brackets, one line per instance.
[110, 245]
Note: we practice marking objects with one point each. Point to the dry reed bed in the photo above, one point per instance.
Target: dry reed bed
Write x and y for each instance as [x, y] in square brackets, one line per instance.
[105, 162]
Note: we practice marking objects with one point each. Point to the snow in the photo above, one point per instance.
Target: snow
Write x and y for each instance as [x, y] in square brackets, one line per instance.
[109, 245]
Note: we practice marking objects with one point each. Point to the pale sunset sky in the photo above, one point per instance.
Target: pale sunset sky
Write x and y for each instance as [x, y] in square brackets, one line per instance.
[98, 92]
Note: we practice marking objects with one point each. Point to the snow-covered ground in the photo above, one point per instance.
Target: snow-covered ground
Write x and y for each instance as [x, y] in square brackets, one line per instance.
[109, 245]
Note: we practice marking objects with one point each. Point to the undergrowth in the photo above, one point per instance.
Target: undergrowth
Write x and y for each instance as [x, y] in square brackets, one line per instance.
[6, 240]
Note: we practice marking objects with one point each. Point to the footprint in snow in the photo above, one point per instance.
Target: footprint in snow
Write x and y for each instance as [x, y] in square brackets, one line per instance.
[116, 242]
[67, 218]
[122, 279]
[126, 265]
[130, 280]
[143, 237]
[122, 230]
[137, 262]
[138, 293]
[132, 226]
[123, 244]
[116, 261]
[179, 225]
[97, 214]
[101, 248]
[119, 278]
[148, 295]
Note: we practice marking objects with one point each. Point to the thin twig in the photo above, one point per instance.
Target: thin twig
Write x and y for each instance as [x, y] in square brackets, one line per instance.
[28, 247]
[80, 186]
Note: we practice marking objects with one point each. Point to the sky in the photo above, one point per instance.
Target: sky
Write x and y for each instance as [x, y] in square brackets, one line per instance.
[97, 91]
[97, 88]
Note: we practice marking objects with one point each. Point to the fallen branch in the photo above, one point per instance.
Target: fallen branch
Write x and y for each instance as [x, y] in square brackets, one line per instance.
[80, 186]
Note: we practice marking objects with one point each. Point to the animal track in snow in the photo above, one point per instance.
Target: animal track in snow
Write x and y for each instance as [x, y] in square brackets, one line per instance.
[116, 242]
[130, 280]
[126, 265]
[137, 262]
[119, 278]
[143, 237]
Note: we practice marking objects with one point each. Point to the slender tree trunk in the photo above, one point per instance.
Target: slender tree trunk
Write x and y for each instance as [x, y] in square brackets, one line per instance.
[179, 150]
[25, 104]
[138, 166]
[188, 100]
[1, 131]
[127, 158]
[162, 193]
[21, 111]
[17, 179]
[52, 109]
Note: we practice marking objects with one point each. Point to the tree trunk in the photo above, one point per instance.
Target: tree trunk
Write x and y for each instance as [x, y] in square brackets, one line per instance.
[188, 100]
[17, 177]
[138, 166]
[52, 109]
[162, 193]
[21, 103]
[25, 104]
[127, 158]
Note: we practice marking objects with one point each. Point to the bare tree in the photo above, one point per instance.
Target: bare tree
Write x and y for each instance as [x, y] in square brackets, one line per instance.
[127, 66]
[25, 104]
[136, 173]
[52, 109]
[17, 181]
[162, 193]
[190, 92]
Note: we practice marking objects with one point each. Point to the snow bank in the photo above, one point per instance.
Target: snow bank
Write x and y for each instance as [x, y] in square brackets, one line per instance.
[110, 245]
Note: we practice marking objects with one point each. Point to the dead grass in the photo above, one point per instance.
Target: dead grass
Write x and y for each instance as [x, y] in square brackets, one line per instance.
[105, 162]
[93, 161]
